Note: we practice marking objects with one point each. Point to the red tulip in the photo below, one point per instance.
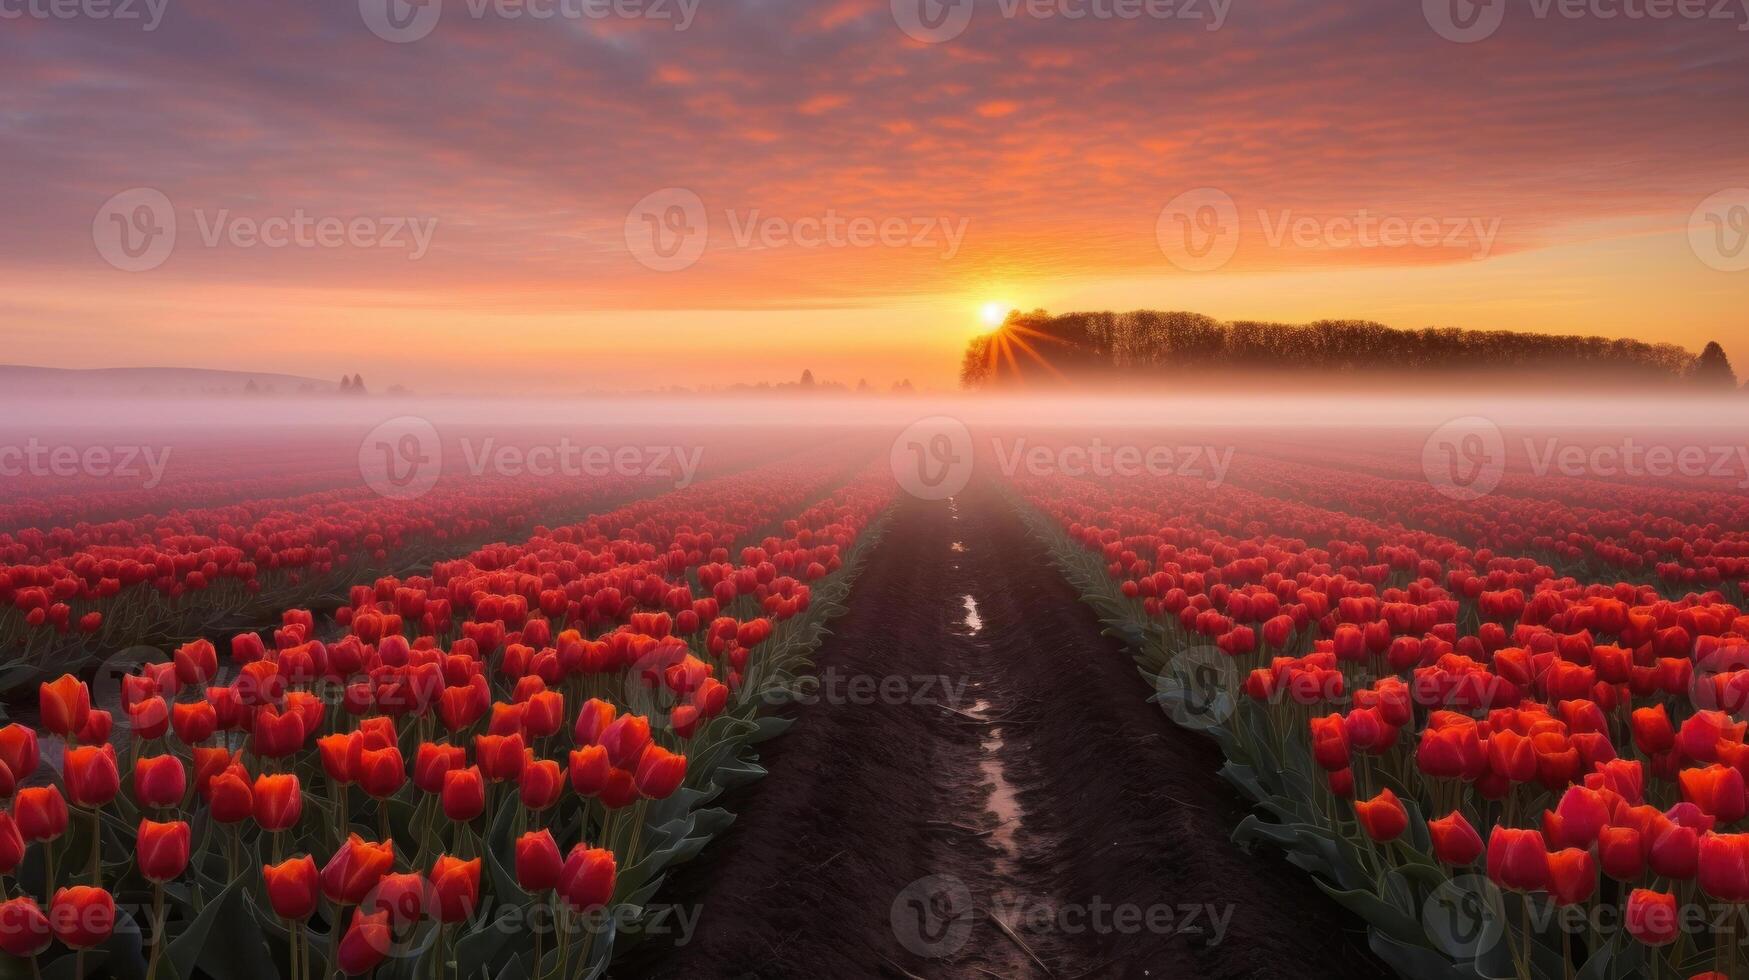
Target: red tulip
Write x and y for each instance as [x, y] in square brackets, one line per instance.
[1620, 852]
[160, 781]
[592, 721]
[541, 783]
[1653, 734]
[277, 734]
[278, 801]
[538, 864]
[660, 773]
[1455, 841]
[381, 772]
[24, 930]
[336, 753]
[589, 769]
[456, 885]
[365, 943]
[499, 757]
[1572, 875]
[149, 717]
[1652, 917]
[194, 722]
[1518, 859]
[620, 790]
[97, 728]
[625, 740]
[1724, 866]
[404, 896]
[1716, 789]
[464, 794]
[587, 880]
[18, 750]
[291, 887]
[64, 704]
[90, 775]
[1382, 817]
[355, 869]
[197, 662]
[41, 812]
[11, 844]
[82, 916]
[161, 849]
[230, 796]
[432, 760]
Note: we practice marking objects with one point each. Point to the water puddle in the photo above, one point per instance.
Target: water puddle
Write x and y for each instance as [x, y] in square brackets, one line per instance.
[957, 546]
[1004, 802]
[973, 621]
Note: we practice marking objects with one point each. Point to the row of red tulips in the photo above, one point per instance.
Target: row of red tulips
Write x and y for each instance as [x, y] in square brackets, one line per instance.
[1406, 711]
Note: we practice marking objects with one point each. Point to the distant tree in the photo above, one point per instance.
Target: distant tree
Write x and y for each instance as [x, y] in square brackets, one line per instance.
[1712, 369]
[345, 384]
[250, 388]
[358, 384]
[807, 378]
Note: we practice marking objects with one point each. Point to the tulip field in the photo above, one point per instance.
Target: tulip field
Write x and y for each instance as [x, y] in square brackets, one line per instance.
[275, 724]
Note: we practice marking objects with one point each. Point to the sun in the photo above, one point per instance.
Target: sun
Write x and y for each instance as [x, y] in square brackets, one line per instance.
[994, 313]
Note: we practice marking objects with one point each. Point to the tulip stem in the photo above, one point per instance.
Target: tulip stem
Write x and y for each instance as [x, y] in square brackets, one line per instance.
[48, 871]
[334, 941]
[36, 972]
[157, 929]
[79, 964]
[96, 849]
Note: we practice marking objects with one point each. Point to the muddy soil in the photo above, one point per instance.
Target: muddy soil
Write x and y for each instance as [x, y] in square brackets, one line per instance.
[980, 789]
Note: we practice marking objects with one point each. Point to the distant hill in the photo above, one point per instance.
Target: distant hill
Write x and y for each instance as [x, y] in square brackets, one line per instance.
[1146, 348]
[155, 381]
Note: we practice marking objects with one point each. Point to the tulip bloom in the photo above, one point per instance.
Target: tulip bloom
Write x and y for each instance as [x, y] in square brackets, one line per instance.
[625, 740]
[499, 757]
[24, 930]
[1651, 917]
[194, 722]
[1620, 851]
[366, 943]
[587, 880]
[464, 794]
[65, 702]
[381, 772]
[291, 887]
[162, 849]
[355, 869]
[11, 844]
[1518, 859]
[41, 812]
[541, 783]
[150, 717]
[403, 896]
[1717, 790]
[90, 775]
[160, 781]
[592, 720]
[97, 727]
[1653, 734]
[538, 864]
[196, 662]
[82, 916]
[1572, 875]
[660, 773]
[336, 753]
[1382, 817]
[277, 734]
[432, 760]
[589, 769]
[18, 749]
[1455, 841]
[278, 801]
[455, 885]
[229, 795]
[1724, 866]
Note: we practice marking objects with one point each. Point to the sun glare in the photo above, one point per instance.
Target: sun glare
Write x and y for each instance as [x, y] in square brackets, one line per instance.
[995, 313]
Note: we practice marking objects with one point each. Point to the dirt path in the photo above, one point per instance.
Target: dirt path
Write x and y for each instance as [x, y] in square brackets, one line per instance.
[1051, 824]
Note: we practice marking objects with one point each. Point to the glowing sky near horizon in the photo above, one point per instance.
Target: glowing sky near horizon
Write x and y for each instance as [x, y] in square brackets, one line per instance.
[1027, 160]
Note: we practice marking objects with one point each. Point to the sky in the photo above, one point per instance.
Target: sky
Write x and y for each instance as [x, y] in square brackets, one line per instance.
[544, 196]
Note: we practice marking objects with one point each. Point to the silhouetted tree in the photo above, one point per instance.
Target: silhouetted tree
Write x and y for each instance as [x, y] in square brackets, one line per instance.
[1712, 369]
[807, 378]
